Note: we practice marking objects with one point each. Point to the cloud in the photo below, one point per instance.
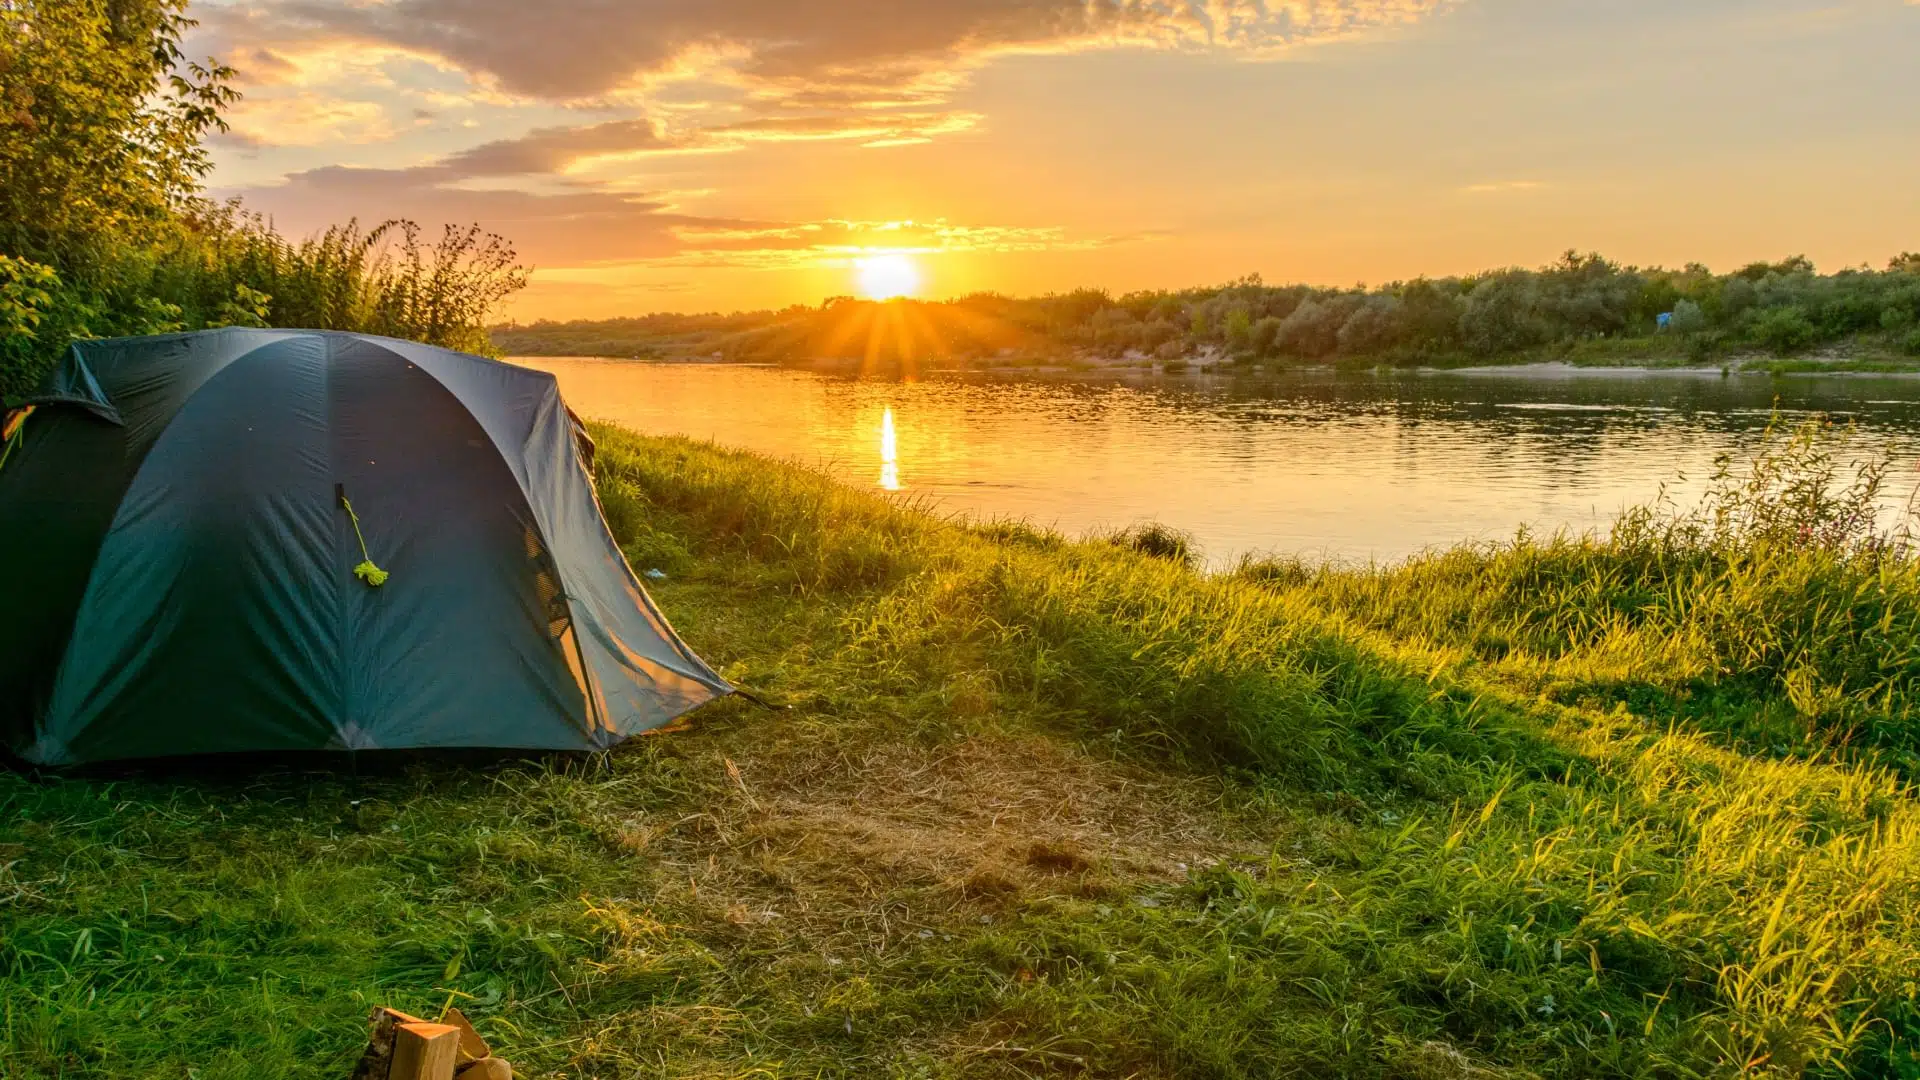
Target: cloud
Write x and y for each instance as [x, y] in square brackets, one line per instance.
[837, 242]
[722, 74]
[853, 51]
[307, 119]
[549, 229]
[874, 128]
[592, 226]
[556, 149]
[585, 230]
[676, 77]
[1496, 187]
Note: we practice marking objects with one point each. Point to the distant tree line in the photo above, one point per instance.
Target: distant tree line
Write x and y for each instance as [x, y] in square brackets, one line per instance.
[1782, 307]
[104, 230]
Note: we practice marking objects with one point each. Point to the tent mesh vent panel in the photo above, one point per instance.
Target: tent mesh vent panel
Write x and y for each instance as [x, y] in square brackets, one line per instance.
[546, 582]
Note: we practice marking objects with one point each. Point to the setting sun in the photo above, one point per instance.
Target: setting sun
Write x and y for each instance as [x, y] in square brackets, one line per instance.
[883, 277]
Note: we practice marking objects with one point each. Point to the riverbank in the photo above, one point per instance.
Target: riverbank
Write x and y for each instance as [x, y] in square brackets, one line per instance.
[1634, 357]
[1046, 807]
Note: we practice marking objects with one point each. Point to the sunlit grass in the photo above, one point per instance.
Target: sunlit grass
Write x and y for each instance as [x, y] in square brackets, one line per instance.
[1607, 807]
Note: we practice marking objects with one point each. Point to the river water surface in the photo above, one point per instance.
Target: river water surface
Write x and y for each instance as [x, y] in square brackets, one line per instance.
[1351, 466]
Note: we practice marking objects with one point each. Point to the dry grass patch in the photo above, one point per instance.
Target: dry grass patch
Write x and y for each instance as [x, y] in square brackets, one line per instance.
[854, 847]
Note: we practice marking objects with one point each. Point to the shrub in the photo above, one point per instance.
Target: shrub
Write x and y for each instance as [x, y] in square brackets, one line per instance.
[1265, 332]
[1372, 328]
[1737, 297]
[1311, 332]
[1688, 318]
[1239, 329]
[1503, 315]
[1784, 330]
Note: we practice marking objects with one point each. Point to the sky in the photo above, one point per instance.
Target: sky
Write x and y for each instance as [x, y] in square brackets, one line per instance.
[701, 155]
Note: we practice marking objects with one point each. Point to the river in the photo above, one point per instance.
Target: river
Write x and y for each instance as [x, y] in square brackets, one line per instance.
[1347, 466]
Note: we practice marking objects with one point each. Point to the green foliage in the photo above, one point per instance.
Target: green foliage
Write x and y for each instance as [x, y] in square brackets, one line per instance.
[1785, 330]
[1373, 328]
[1688, 318]
[1508, 315]
[104, 232]
[26, 289]
[26, 292]
[91, 155]
[1503, 315]
[1239, 329]
[1572, 808]
[248, 307]
[1311, 331]
[1264, 334]
[1562, 871]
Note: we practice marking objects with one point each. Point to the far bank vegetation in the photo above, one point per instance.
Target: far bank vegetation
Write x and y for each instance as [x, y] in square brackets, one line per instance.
[1583, 308]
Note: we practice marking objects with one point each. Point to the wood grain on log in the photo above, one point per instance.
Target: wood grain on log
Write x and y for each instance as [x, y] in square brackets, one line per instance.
[472, 1046]
[424, 1051]
[377, 1061]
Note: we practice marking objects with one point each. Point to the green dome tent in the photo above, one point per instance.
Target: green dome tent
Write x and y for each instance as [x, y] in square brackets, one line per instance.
[269, 540]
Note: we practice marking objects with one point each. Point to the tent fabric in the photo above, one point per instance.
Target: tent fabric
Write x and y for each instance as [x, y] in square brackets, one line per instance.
[182, 563]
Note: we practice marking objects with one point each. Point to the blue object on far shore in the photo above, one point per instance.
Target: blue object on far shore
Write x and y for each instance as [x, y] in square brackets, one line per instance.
[1665, 318]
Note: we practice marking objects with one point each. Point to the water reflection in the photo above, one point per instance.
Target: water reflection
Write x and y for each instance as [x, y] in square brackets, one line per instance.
[1354, 466]
[889, 453]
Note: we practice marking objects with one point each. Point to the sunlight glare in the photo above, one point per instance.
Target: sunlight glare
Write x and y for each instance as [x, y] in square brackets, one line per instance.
[889, 454]
[884, 277]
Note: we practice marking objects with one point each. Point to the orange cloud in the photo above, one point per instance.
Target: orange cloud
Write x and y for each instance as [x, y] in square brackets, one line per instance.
[555, 149]
[808, 51]
[307, 119]
[590, 228]
[837, 242]
[874, 128]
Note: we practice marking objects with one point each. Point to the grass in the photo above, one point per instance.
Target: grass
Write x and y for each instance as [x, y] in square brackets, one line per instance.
[1802, 366]
[1624, 806]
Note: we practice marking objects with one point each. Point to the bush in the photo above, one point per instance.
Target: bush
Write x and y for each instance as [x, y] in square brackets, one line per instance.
[1311, 332]
[1503, 316]
[1911, 345]
[1784, 330]
[1239, 329]
[1265, 332]
[1372, 328]
[1687, 318]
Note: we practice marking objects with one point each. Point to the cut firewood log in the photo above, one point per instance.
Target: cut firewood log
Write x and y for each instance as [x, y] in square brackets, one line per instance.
[377, 1062]
[424, 1051]
[472, 1046]
[486, 1068]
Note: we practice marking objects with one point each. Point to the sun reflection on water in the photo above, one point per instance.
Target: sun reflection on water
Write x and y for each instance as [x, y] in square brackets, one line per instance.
[889, 454]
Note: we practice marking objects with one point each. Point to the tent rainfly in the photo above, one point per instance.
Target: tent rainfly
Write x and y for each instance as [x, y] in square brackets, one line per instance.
[270, 540]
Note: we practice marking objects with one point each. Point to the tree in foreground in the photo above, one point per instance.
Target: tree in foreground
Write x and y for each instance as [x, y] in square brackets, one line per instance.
[105, 230]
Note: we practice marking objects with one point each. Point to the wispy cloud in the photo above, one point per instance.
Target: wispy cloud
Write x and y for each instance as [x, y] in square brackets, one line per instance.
[586, 230]
[835, 242]
[579, 49]
[309, 118]
[871, 128]
[557, 149]
[1498, 187]
[650, 80]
